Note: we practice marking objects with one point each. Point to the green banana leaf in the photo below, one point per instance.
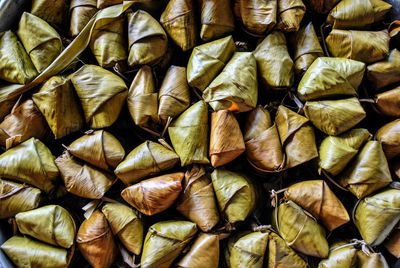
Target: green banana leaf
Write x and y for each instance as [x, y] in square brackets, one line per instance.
[257, 16]
[228, 246]
[80, 13]
[291, 13]
[386, 72]
[374, 260]
[54, 12]
[341, 255]
[216, 19]
[249, 250]
[388, 135]
[281, 255]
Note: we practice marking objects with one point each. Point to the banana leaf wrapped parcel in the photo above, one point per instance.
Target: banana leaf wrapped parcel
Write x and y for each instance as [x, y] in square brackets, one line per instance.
[389, 135]
[96, 241]
[226, 139]
[99, 148]
[341, 255]
[51, 224]
[203, 253]
[377, 215]
[257, 16]
[376, 260]
[386, 72]
[26, 252]
[197, 201]
[30, 162]
[368, 172]
[249, 250]
[335, 152]
[101, 93]
[306, 48]
[127, 224]
[179, 21]
[331, 77]
[189, 133]
[53, 12]
[334, 117]
[147, 39]
[263, 145]
[207, 60]
[107, 42]
[154, 195]
[235, 194]
[81, 11]
[322, 6]
[165, 241]
[281, 255]
[24, 122]
[237, 83]
[275, 67]
[299, 230]
[147, 159]
[57, 102]
[83, 180]
[365, 46]
[216, 19]
[291, 13]
[42, 43]
[15, 64]
[15, 198]
[388, 102]
[317, 198]
[349, 14]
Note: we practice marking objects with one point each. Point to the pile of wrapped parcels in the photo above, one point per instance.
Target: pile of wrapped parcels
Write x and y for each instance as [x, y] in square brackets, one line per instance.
[201, 133]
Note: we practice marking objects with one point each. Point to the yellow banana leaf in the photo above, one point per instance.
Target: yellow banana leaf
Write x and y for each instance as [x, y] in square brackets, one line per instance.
[329, 77]
[40, 40]
[388, 103]
[23, 123]
[142, 98]
[15, 64]
[51, 224]
[147, 159]
[226, 139]
[306, 48]
[291, 13]
[15, 198]
[96, 241]
[106, 3]
[275, 67]
[174, 95]
[235, 194]
[188, 134]
[108, 42]
[237, 83]
[316, 197]
[297, 137]
[54, 12]
[147, 39]
[322, 6]
[368, 172]
[377, 215]
[335, 152]
[386, 72]
[249, 250]
[26, 252]
[154, 195]
[127, 224]
[207, 60]
[349, 14]
[258, 16]
[30, 162]
[374, 260]
[300, 231]
[216, 19]
[340, 256]
[178, 19]
[203, 253]
[165, 241]
[197, 201]
[98, 148]
[334, 117]
[281, 255]
[102, 94]
[388, 135]
[365, 46]
[263, 146]
[81, 11]
[57, 102]
[83, 180]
